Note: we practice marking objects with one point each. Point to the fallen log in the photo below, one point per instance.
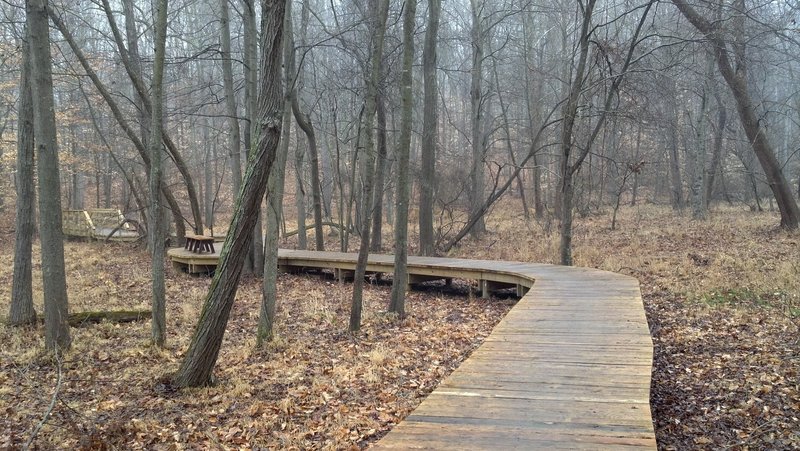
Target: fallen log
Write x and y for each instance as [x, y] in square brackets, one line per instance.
[81, 319]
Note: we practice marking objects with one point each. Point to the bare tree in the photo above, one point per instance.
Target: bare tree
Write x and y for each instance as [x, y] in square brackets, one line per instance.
[157, 229]
[379, 10]
[21, 311]
[427, 182]
[734, 71]
[198, 364]
[56, 307]
[400, 281]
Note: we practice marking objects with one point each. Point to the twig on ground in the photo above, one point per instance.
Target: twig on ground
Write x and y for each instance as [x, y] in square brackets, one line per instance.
[52, 404]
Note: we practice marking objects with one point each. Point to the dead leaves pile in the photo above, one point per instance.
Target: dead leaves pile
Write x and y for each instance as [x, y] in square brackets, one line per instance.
[315, 387]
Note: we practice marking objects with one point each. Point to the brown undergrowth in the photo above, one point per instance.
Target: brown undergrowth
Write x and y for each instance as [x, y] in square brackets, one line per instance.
[722, 297]
[316, 387]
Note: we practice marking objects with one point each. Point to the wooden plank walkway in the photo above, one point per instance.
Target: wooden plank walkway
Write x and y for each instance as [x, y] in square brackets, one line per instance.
[567, 368]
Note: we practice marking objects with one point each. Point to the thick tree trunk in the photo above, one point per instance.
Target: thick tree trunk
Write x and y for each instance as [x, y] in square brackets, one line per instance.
[275, 188]
[476, 173]
[157, 229]
[196, 368]
[427, 178]
[22, 311]
[56, 307]
[400, 281]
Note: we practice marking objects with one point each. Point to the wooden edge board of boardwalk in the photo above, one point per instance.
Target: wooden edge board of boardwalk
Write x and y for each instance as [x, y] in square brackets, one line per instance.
[567, 368]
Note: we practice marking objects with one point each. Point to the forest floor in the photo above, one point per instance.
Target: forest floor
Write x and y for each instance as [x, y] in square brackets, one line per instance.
[722, 297]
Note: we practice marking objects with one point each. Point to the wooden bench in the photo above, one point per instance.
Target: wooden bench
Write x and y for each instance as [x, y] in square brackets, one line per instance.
[199, 244]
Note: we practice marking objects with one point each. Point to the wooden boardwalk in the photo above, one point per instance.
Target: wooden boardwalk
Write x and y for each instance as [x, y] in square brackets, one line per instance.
[567, 368]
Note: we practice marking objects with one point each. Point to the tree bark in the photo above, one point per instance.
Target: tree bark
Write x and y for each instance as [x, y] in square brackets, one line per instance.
[21, 311]
[157, 230]
[251, 109]
[304, 122]
[476, 173]
[196, 368]
[380, 11]
[568, 123]
[300, 196]
[400, 281]
[56, 307]
[427, 181]
[275, 188]
[232, 116]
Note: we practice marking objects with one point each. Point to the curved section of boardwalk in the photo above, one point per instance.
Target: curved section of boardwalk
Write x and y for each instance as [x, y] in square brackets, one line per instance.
[567, 368]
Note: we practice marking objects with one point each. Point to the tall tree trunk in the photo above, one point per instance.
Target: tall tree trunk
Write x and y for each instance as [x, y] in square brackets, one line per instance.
[198, 364]
[231, 111]
[56, 307]
[476, 173]
[304, 122]
[568, 168]
[251, 107]
[275, 188]
[400, 281]
[379, 13]
[676, 184]
[157, 229]
[736, 78]
[427, 179]
[569, 113]
[21, 311]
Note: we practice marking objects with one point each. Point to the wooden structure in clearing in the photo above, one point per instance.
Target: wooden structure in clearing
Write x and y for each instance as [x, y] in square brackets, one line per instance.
[567, 368]
[97, 224]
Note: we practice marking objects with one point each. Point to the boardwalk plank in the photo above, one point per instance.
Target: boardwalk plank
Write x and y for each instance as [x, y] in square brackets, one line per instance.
[567, 368]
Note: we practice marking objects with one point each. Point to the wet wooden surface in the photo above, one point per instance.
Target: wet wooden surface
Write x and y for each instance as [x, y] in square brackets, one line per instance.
[567, 368]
